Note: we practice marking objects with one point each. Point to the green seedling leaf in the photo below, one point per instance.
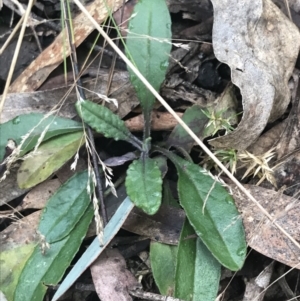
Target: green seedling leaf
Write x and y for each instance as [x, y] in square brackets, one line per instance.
[95, 249]
[104, 121]
[65, 208]
[47, 269]
[18, 127]
[197, 271]
[50, 156]
[212, 212]
[144, 185]
[163, 262]
[196, 120]
[148, 46]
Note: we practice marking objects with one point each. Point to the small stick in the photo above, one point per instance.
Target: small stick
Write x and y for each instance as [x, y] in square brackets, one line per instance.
[151, 296]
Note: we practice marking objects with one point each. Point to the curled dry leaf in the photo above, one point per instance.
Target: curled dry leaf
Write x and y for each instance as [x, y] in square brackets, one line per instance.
[260, 45]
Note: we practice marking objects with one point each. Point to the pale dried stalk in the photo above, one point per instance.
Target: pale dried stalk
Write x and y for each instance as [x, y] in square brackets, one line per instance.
[8, 40]
[16, 54]
[183, 124]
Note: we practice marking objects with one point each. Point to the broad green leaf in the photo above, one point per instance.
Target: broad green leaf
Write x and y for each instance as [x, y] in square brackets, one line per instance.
[144, 185]
[163, 262]
[212, 212]
[12, 262]
[103, 121]
[50, 156]
[196, 120]
[18, 127]
[61, 215]
[148, 46]
[65, 208]
[95, 249]
[47, 269]
[197, 271]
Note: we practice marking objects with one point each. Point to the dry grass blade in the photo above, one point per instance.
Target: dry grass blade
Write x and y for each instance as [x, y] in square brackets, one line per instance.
[8, 40]
[16, 54]
[182, 123]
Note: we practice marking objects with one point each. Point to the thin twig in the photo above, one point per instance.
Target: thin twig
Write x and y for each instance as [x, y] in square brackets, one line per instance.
[151, 296]
[114, 59]
[282, 276]
[99, 188]
[184, 125]
[8, 40]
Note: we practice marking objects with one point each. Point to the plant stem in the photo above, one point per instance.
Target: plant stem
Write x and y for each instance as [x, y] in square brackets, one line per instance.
[147, 120]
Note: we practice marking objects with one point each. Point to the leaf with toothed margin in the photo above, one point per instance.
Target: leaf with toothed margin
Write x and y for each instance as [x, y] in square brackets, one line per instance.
[144, 185]
[103, 120]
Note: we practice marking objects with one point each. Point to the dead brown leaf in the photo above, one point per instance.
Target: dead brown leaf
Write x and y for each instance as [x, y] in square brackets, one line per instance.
[287, 171]
[256, 287]
[111, 278]
[160, 121]
[21, 232]
[261, 234]
[164, 226]
[38, 71]
[267, 140]
[289, 140]
[39, 195]
[260, 44]
[9, 189]
[44, 101]
[65, 173]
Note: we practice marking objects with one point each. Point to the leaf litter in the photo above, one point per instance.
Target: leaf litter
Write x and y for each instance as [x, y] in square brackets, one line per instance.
[273, 111]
